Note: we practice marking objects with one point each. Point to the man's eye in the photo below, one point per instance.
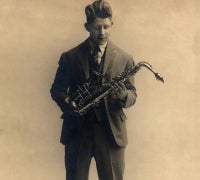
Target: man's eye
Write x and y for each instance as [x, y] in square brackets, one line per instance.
[106, 27]
[99, 27]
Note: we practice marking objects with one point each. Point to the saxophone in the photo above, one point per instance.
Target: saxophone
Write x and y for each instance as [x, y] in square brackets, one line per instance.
[89, 94]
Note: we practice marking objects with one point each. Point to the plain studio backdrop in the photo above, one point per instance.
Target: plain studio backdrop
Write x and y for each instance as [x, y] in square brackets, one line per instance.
[163, 126]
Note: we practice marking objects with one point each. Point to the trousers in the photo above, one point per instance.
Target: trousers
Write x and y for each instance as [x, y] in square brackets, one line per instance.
[94, 141]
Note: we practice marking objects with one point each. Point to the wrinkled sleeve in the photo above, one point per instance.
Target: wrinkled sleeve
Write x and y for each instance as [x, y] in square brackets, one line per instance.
[61, 83]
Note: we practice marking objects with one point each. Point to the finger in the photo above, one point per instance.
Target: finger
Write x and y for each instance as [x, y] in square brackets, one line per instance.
[122, 85]
[114, 87]
[73, 104]
[67, 99]
[118, 88]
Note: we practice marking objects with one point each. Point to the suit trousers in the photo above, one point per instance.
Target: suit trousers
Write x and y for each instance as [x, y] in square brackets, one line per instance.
[94, 141]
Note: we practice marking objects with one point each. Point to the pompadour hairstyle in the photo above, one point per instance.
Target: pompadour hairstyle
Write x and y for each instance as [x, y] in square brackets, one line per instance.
[99, 8]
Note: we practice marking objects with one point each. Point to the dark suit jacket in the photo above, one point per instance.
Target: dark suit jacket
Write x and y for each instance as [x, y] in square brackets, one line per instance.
[74, 69]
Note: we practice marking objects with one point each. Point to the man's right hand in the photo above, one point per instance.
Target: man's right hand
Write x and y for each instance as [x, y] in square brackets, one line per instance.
[71, 106]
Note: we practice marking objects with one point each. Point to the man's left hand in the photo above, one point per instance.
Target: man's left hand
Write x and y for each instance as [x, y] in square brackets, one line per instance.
[120, 90]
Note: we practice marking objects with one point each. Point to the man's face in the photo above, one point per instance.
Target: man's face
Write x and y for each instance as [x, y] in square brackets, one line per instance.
[99, 30]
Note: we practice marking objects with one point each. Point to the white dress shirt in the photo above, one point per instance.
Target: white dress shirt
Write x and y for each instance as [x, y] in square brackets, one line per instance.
[100, 53]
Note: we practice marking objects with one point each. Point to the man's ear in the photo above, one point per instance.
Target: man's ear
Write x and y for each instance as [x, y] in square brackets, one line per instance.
[111, 21]
[87, 27]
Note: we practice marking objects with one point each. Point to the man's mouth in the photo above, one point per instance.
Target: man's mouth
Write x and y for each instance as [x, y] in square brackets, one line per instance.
[102, 38]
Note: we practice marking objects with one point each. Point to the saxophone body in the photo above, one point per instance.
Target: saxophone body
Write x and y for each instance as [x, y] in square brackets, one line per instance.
[90, 93]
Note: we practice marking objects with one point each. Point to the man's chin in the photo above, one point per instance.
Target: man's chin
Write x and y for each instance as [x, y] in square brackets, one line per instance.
[102, 41]
[99, 41]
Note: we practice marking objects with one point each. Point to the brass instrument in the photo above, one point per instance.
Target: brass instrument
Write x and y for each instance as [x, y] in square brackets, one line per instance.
[89, 94]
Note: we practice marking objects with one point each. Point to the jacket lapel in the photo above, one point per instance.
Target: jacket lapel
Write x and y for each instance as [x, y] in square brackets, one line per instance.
[83, 58]
[109, 57]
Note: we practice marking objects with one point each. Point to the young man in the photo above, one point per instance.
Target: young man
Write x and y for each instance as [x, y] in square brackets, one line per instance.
[101, 132]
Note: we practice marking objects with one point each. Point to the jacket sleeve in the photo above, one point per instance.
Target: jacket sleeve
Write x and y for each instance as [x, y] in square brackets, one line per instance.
[60, 86]
[131, 90]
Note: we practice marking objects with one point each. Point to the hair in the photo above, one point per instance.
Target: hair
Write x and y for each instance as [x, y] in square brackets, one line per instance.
[98, 8]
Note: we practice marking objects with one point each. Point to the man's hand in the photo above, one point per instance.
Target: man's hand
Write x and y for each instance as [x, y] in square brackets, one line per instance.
[120, 91]
[71, 106]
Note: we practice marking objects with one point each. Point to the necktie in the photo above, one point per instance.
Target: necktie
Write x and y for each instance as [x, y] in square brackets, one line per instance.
[96, 55]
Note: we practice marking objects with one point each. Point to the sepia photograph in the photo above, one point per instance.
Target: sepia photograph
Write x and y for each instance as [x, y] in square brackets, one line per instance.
[99, 90]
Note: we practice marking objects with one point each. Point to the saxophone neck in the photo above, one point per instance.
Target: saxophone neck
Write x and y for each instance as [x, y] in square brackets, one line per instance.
[149, 67]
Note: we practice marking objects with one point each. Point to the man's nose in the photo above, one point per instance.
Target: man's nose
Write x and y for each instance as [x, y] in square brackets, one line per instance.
[102, 31]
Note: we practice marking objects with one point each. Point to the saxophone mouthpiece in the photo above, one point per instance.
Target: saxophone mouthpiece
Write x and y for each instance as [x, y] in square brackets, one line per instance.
[159, 77]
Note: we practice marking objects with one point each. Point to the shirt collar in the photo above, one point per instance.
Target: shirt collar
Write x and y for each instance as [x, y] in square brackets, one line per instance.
[101, 47]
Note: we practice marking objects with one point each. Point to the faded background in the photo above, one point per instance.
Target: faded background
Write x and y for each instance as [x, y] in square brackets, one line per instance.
[163, 126]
